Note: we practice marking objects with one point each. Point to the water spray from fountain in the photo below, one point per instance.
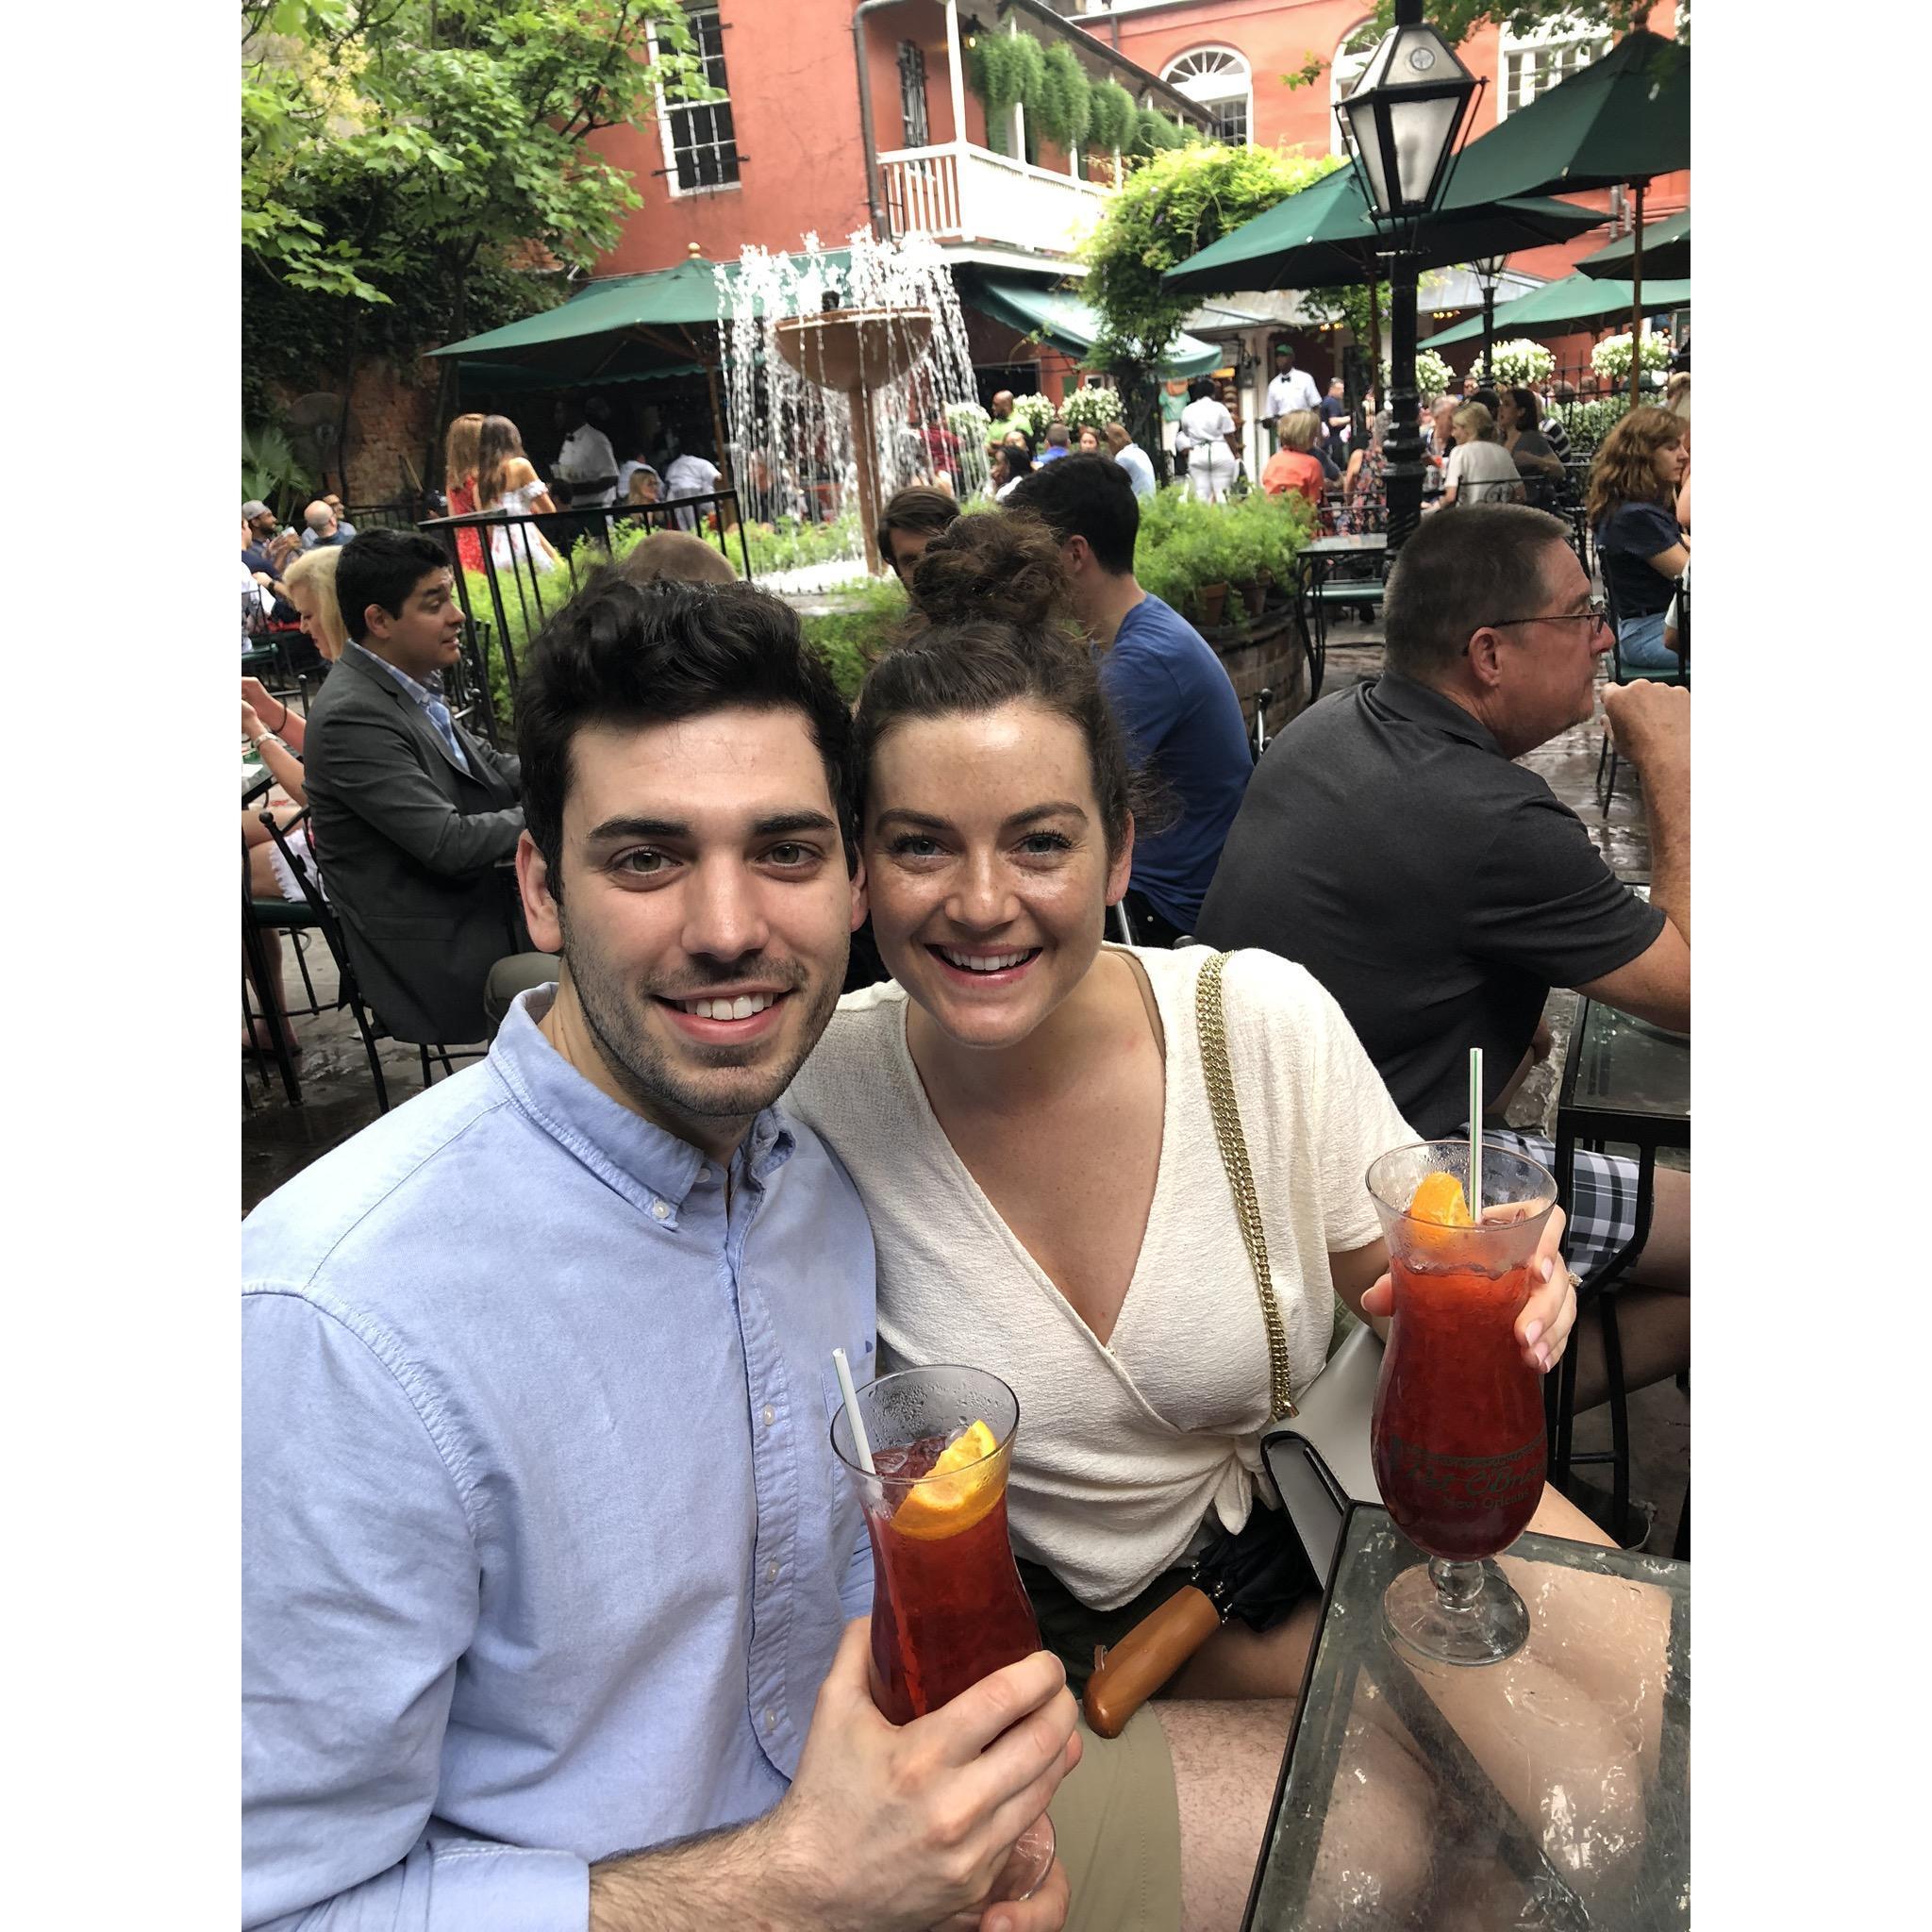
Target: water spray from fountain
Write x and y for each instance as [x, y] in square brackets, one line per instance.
[833, 369]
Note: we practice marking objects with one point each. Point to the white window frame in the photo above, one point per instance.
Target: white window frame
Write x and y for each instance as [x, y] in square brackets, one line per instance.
[1202, 90]
[1337, 92]
[1553, 37]
[667, 108]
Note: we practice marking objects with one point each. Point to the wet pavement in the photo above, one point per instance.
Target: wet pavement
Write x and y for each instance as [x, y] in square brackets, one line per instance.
[338, 1095]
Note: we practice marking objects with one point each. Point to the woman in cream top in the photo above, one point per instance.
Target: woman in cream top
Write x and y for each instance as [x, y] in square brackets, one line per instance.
[1023, 1109]
[1127, 1446]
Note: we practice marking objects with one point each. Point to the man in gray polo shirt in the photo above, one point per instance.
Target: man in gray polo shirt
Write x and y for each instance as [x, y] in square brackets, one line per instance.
[1438, 890]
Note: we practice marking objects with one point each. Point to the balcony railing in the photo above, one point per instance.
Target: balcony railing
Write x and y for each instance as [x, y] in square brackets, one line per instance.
[960, 192]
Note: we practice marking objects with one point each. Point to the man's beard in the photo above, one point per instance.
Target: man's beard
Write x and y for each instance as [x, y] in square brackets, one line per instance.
[644, 1069]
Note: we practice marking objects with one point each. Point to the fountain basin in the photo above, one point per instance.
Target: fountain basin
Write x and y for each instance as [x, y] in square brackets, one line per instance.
[849, 349]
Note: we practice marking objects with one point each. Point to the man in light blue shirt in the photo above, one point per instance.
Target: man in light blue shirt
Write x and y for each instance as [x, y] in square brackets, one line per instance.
[545, 1553]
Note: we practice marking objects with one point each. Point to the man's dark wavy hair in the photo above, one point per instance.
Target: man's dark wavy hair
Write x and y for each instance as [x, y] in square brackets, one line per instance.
[638, 655]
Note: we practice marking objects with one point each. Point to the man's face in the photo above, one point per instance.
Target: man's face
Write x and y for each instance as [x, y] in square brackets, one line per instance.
[1003, 406]
[706, 913]
[422, 638]
[263, 526]
[1549, 667]
[908, 547]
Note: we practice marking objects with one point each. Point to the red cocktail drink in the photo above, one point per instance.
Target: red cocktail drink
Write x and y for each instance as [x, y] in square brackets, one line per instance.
[1457, 1434]
[954, 1607]
[948, 1608]
[1457, 1441]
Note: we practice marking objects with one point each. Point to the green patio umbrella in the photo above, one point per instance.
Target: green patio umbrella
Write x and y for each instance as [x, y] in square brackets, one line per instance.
[1666, 251]
[1324, 237]
[1617, 123]
[1575, 302]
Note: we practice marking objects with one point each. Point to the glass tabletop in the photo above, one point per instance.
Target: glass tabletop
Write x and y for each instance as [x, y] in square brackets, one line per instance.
[1548, 1790]
[1623, 1065]
[1344, 546]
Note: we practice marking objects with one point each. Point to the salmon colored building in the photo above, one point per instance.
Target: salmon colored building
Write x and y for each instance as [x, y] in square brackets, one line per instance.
[837, 116]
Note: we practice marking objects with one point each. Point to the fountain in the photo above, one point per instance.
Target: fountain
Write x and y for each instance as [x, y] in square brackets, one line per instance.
[832, 367]
[857, 351]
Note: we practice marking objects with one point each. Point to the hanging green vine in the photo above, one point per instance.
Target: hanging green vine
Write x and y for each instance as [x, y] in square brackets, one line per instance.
[1065, 108]
[1009, 71]
[1112, 121]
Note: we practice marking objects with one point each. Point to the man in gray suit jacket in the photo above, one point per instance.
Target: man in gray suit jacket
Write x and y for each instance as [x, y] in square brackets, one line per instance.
[414, 816]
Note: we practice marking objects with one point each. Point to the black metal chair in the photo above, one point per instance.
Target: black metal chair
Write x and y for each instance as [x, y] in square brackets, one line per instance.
[349, 993]
[260, 917]
[1607, 757]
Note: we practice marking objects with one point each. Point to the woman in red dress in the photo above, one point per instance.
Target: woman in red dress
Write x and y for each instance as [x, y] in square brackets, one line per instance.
[460, 450]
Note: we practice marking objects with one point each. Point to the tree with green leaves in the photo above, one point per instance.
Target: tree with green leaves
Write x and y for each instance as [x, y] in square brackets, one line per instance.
[406, 164]
[1171, 206]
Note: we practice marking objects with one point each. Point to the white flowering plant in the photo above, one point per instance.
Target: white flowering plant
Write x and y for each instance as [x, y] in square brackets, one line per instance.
[1091, 409]
[1610, 358]
[968, 422]
[1521, 363]
[1433, 378]
[1033, 413]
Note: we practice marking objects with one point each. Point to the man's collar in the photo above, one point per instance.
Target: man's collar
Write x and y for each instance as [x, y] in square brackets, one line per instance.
[1421, 704]
[410, 687]
[647, 1165]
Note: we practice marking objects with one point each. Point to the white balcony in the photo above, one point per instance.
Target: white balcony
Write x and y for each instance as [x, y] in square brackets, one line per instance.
[960, 192]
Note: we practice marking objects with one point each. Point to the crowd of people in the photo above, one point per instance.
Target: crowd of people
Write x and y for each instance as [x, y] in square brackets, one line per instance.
[805, 1032]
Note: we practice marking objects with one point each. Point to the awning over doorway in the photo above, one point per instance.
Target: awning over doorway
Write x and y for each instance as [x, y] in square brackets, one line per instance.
[1067, 323]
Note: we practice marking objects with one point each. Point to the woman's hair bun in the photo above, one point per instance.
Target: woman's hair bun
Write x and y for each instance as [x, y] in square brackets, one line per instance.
[999, 565]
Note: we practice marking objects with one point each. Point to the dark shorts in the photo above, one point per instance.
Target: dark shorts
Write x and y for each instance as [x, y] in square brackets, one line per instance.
[1071, 1629]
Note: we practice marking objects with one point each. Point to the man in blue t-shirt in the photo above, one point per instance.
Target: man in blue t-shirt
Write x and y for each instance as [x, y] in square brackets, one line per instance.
[1169, 689]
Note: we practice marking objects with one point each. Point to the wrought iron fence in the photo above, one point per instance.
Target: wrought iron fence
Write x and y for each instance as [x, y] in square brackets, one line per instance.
[531, 566]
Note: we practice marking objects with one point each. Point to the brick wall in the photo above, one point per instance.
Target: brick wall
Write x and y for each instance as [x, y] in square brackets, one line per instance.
[1269, 656]
[391, 411]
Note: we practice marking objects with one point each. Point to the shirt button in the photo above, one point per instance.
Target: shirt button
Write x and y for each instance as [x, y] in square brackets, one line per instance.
[771, 1719]
[659, 1211]
[770, 1573]
[771, 1415]
[704, 1176]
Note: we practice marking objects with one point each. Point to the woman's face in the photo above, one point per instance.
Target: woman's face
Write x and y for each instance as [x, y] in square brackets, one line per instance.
[986, 867]
[1090, 441]
[1506, 417]
[1000, 473]
[308, 611]
[1670, 458]
[1015, 439]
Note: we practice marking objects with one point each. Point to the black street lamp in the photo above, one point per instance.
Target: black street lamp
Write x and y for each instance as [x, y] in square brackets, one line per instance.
[1401, 124]
[1488, 272]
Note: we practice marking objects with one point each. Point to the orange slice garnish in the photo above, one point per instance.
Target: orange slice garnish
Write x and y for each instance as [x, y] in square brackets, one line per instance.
[1438, 1197]
[960, 1491]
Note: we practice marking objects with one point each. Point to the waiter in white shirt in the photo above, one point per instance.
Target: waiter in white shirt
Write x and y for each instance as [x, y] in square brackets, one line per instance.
[587, 464]
[1291, 388]
[690, 474]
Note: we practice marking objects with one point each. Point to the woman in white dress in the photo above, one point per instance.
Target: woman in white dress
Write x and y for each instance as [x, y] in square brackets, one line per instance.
[1212, 452]
[1024, 1113]
[508, 485]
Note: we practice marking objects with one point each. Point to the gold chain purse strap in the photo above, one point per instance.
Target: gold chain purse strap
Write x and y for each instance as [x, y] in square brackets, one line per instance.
[1210, 1020]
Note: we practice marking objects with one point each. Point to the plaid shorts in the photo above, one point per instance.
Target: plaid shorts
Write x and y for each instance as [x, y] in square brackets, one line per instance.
[1602, 1210]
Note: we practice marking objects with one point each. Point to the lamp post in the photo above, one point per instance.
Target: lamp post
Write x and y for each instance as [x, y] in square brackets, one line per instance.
[1488, 272]
[1400, 125]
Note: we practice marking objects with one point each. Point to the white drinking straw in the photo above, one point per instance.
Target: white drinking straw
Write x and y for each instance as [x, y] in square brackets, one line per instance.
[1475, 1134]
[844, 1370]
